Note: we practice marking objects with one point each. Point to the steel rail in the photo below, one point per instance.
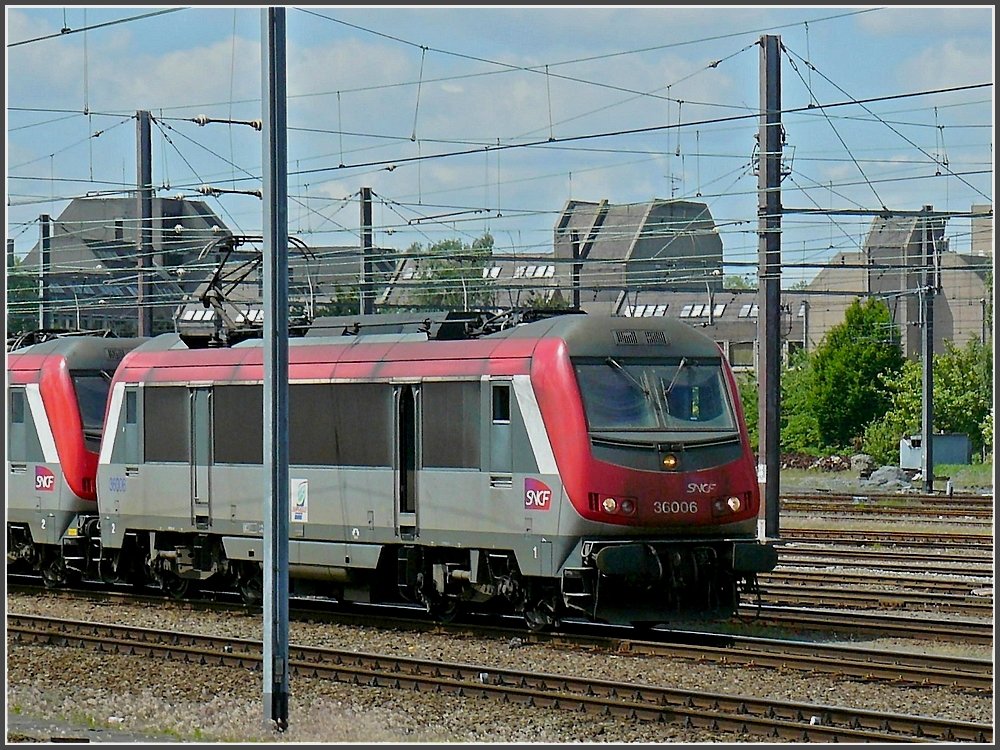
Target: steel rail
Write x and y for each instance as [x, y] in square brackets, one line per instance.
[785, 719]
[868, 664]
[937, 540]
[851, 661]
[871, 624]
[952, 515]
[792, 594]
[886, 581]
[895, 560]
[919, 497]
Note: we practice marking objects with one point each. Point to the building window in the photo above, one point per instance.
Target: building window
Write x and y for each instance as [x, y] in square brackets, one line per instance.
[686, 311]
[748, 310]
[719, 309]
[741, 353]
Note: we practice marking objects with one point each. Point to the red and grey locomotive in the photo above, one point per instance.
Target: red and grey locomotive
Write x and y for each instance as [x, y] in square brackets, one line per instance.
[575, 466]
[57, 391]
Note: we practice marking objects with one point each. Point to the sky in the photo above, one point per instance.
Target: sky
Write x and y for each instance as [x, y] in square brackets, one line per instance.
[488, 119]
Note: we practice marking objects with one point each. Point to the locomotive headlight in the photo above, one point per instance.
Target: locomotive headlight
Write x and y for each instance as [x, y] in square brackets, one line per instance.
[734, 503]
[670, 462]
[628, 506]
[610, 505]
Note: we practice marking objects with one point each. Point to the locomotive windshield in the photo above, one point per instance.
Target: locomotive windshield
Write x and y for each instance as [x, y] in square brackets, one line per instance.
[658, 396]
[92, 388]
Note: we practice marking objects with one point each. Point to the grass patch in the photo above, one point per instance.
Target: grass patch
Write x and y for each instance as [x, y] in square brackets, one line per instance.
[966, 475]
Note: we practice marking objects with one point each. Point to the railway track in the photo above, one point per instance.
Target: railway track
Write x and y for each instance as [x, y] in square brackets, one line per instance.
[887, 560]
[958, 498]
[940, 508]
[857, 597]
[876, 625]
[739, 714]
[885, 581]
[936, 540]
[697, 645]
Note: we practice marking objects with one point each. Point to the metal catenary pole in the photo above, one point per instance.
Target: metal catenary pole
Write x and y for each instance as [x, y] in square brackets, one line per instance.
[276, 505]
[144, 212]
[367, 294]
[928, 289]
[769, 141]
[44, 269]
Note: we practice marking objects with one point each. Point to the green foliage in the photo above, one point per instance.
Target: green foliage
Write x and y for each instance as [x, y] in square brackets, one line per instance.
[988, 312]
[344, 300]
[963, 389]
[844, 374]
[963, 398]
[882, 435]
[22, 298]
[799, 426]
[748, 388]
[986, 428]
[453, 274]
[739, 282]
[537, 300]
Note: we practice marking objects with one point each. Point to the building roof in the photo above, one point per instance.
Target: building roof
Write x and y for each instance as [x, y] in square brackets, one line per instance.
[657, 244]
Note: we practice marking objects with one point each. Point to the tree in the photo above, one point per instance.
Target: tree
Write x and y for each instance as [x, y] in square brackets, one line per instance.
[452, 274]
[343, 300]
[963, 399]
[739, 282]
[538, 300]
[22, 297]
[746, 382]
[882, 435]
[988, 307]
[845, 371]
[799, 426]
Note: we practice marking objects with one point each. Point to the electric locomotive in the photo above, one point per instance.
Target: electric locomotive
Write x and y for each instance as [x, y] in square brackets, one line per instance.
[57, 394]
[575, 466]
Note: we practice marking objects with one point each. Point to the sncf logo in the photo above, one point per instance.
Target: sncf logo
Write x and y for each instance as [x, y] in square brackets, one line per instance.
[537, 495]
[45, 480]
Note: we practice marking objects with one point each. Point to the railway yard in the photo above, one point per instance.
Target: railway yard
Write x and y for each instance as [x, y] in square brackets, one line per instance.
[877, 625]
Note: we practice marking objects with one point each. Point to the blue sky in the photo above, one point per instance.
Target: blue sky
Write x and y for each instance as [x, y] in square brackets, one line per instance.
[374, 88]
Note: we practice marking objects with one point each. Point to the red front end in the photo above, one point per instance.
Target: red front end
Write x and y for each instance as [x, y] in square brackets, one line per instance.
[653, 443]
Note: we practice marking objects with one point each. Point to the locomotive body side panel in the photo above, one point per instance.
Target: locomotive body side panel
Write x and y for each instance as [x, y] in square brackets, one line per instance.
[38, 496]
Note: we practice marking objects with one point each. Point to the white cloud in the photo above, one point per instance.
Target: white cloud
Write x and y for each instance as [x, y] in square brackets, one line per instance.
[949, 64]
[935, 21]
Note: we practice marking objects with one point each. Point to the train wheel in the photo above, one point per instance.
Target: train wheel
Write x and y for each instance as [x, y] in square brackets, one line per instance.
[443, 610]
[251, 588]
[175, 587]
[54, 573]
[540, 616]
